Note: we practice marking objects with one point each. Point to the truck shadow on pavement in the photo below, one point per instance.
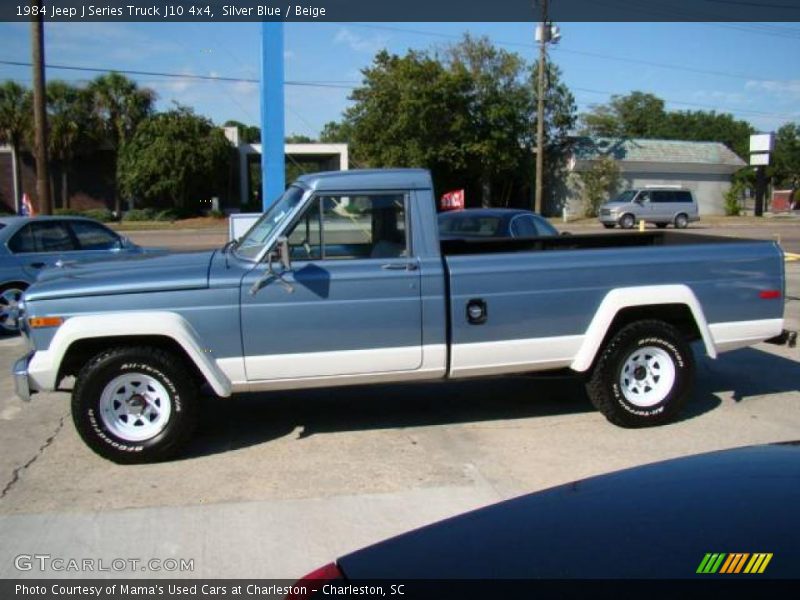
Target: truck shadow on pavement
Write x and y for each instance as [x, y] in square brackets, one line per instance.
[251, 419]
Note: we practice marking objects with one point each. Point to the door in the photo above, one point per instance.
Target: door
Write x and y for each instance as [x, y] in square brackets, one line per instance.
[351, 303]
[41, 244]
[662, 206]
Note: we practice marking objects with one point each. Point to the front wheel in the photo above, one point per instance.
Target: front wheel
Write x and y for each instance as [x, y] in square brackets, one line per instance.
[627, 221]
[644, 375]
[135, 404]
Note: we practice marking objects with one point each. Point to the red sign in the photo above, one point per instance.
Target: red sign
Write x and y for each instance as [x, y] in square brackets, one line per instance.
[453, 200]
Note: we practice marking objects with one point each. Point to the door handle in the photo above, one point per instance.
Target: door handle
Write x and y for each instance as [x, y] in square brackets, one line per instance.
[38, 265]
[399, 267]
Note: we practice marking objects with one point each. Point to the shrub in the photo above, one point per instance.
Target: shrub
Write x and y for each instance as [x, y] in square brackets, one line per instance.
[733, 206]
[165, 215]
[216, 214]
[599, 183]
[139, 214]
[68, 212]
[99, 214]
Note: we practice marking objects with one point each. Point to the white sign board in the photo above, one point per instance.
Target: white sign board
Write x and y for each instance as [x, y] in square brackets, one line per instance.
[762, 142]
[239, 223]
[759, 160]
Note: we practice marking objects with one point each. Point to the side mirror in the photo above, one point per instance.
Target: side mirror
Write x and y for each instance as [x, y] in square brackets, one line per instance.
[283, 253]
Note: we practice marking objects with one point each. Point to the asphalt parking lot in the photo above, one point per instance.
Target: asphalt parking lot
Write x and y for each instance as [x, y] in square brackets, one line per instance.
[277, 484]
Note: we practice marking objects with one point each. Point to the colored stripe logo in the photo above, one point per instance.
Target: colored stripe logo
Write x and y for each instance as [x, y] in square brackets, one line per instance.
[733, 563]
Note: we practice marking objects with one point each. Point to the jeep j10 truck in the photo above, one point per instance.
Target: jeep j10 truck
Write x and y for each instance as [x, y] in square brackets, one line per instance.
[344, 281]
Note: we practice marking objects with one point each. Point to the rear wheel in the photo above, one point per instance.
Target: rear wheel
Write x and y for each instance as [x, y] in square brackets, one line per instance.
[644, 375]
[627, 221]
[135, 404]
[681, 221]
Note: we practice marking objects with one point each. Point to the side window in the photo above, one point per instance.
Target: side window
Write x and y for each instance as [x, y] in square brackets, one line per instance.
[643, 197]
[44, 236]
[52, 236]
[661, 197]
[22, 241]
[94, 237]
[366, 226]
[305, 241]
[523, 226]
[684, 197]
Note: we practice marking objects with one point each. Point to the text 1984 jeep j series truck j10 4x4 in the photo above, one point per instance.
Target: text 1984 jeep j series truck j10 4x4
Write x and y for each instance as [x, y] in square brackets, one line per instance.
[345, 281]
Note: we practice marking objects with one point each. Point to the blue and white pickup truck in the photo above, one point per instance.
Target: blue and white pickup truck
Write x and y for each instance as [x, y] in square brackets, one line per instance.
[345, 281]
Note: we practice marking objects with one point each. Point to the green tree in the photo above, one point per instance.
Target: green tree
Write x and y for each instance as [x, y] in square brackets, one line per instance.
[599, 183]
[73, 128]
[560, 117]
[498, 104]
[121, 105]
[465, 113]
[336, 132]
[785, 169]
[175, 157]
[298, 139]
[15, 125]
[638, 114]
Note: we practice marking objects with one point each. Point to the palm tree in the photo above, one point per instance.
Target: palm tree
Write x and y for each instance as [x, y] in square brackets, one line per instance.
[15, 123]
[72, 128]
[121, 105]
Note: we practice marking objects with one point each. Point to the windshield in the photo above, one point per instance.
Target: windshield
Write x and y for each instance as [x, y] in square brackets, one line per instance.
[626, 196]
[252, 242]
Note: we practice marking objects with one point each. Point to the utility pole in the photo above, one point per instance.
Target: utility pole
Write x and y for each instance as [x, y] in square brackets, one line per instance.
[543, 35]
[39, 114]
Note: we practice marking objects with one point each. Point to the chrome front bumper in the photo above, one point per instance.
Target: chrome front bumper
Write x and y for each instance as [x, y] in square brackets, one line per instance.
[22, 385]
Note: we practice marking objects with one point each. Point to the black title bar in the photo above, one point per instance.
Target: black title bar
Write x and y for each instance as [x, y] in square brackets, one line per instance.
[406, 10]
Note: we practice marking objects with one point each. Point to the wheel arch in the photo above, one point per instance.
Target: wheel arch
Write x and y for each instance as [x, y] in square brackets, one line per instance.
[673, 304]
[87, 335]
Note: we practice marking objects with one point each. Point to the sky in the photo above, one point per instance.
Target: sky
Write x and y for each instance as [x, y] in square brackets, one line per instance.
[748, 69]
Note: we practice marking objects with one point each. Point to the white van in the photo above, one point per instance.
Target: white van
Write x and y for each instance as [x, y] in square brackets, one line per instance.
[659, 205]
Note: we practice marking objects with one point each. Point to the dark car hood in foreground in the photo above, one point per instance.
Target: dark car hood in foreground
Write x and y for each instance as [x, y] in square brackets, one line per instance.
[148, 272]
[655, 521]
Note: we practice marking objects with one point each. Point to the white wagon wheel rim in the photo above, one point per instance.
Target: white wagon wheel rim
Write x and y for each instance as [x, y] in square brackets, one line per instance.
[135, 407]
[647, 376]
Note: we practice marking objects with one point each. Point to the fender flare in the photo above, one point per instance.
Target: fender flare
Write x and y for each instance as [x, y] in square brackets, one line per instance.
[622, 298]
[44, 365]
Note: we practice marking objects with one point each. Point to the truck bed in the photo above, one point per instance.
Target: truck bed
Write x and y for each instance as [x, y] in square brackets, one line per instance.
[541, 294]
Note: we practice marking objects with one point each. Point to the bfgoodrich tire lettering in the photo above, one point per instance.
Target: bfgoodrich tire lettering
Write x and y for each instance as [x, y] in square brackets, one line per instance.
[660, 357]
[177, 399]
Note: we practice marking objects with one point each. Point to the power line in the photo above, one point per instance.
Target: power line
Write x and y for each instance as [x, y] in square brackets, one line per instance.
[217, 78]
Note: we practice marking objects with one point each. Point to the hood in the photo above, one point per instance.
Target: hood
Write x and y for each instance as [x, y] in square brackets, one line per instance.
[136, 273]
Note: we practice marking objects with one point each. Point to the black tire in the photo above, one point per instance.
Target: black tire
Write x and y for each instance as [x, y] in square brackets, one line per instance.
[681, 221]
[10, 294]
[661, 225]
[627, 221]
[167, 370]
[605, 388]
[608, 225]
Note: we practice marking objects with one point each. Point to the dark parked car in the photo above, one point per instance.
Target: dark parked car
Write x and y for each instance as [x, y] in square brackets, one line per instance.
[493, 223]
[30, 244]
[731, 513]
